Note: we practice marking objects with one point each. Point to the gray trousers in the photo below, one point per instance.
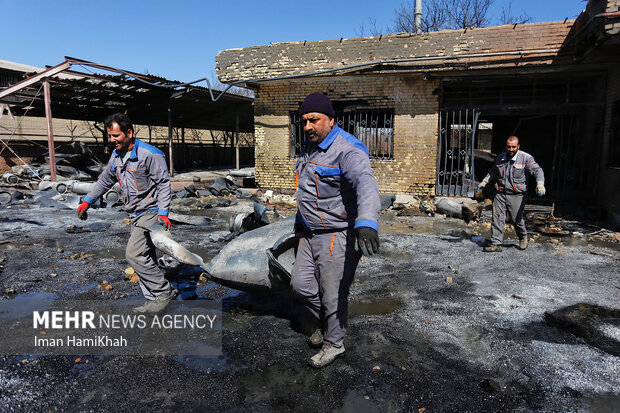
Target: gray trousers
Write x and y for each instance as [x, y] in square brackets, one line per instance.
[322, 275]
[513, 205]
[141, 255]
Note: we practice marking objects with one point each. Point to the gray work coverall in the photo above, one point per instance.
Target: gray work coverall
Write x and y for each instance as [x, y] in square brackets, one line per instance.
[510, 178]
[145, 190]
[336, 193]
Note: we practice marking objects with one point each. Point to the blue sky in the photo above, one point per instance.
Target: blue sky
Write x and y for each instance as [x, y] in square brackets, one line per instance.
[179, 40]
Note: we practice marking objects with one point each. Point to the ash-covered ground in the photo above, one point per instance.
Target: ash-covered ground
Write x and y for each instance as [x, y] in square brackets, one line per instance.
[435, 324]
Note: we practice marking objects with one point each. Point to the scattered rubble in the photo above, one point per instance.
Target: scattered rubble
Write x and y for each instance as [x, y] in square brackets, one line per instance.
[404, 201]
[485, 330]
[465, 208]
[241, 223]
[91, 227]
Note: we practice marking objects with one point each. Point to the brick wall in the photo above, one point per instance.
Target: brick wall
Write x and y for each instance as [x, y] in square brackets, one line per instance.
[412, 171]
[26, 138]
[613, 25]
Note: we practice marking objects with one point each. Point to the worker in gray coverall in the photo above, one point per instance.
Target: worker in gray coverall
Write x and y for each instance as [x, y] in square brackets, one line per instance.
[510, 179]
[337, 220]
[141, 171]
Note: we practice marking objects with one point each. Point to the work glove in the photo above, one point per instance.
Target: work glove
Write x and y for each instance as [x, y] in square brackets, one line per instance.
[367, 240]
[164, 221]
[540, 189]
[481, 186]
[81, 211]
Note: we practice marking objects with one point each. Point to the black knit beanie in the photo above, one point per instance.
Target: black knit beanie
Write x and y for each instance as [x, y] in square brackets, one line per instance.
[317, 102]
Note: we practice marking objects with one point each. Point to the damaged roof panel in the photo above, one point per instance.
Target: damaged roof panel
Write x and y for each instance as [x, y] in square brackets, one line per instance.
[145, 98]
[442, 48]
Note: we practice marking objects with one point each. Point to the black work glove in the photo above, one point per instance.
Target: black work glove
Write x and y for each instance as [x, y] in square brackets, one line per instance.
[367, 240]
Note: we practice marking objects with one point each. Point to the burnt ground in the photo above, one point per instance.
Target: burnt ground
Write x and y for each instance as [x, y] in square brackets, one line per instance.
[436, 325]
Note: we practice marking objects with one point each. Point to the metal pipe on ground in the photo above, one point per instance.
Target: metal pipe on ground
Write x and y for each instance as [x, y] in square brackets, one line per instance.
[60, 187]
[163, 242]
[10, 178]
[111, 197]
[245, 173]
[5, 198]
[81, 188]
[248, 192]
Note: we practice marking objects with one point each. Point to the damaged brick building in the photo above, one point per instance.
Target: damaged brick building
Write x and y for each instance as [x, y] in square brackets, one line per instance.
[434, 108]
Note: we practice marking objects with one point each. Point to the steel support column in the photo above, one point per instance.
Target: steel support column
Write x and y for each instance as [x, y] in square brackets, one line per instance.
[50, 130]
[170, 160]
[237, 140]
[183, 148]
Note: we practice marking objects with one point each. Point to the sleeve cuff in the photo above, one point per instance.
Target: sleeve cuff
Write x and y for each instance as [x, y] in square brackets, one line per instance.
[163, 212]
[88, 199]
[367, 223]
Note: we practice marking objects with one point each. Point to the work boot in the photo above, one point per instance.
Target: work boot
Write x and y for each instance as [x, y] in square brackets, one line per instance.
[315, 340]
[523, 243]
[158, 304]
[492, 248]
[326, 356]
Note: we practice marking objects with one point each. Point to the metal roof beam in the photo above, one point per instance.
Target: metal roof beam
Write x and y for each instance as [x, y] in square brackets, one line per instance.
[54, 70]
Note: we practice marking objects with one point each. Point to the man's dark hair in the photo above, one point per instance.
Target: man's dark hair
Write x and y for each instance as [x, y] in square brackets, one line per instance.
[124, 122]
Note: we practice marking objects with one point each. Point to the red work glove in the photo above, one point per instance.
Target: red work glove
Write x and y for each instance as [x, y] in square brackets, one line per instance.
[164, 221]
[82, 210]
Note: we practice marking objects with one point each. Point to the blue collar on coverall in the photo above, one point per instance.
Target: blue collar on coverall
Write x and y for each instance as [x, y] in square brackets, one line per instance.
[329, 139]
[331, 136]
[133, 155]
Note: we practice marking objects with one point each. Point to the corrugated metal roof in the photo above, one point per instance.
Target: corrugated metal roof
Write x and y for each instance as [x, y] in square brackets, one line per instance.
[146, 99]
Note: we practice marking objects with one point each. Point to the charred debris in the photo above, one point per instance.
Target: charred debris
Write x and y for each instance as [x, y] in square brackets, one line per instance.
[29, 186]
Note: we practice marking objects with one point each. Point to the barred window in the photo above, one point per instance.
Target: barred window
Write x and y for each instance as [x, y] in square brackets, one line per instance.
[373, 127]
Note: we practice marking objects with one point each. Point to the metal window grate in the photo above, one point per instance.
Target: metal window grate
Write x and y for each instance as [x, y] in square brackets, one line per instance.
[375, 128]
[455, 160]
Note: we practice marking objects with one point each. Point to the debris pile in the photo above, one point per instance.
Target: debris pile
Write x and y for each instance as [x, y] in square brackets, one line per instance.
[71, 166]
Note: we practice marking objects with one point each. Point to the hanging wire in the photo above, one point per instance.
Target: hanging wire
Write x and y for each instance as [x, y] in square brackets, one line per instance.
[6, 144]
[20, 120]
[20, 159]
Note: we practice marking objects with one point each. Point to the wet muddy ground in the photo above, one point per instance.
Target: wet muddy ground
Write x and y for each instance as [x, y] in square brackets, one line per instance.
[435, 325]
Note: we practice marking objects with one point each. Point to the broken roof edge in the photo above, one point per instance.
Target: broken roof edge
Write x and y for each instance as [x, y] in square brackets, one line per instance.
[175, 86]
[424, 65]
[151, 80]
[19, 67]
[278, 60]
[26, 69]
[85, 97]
[398, 35]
